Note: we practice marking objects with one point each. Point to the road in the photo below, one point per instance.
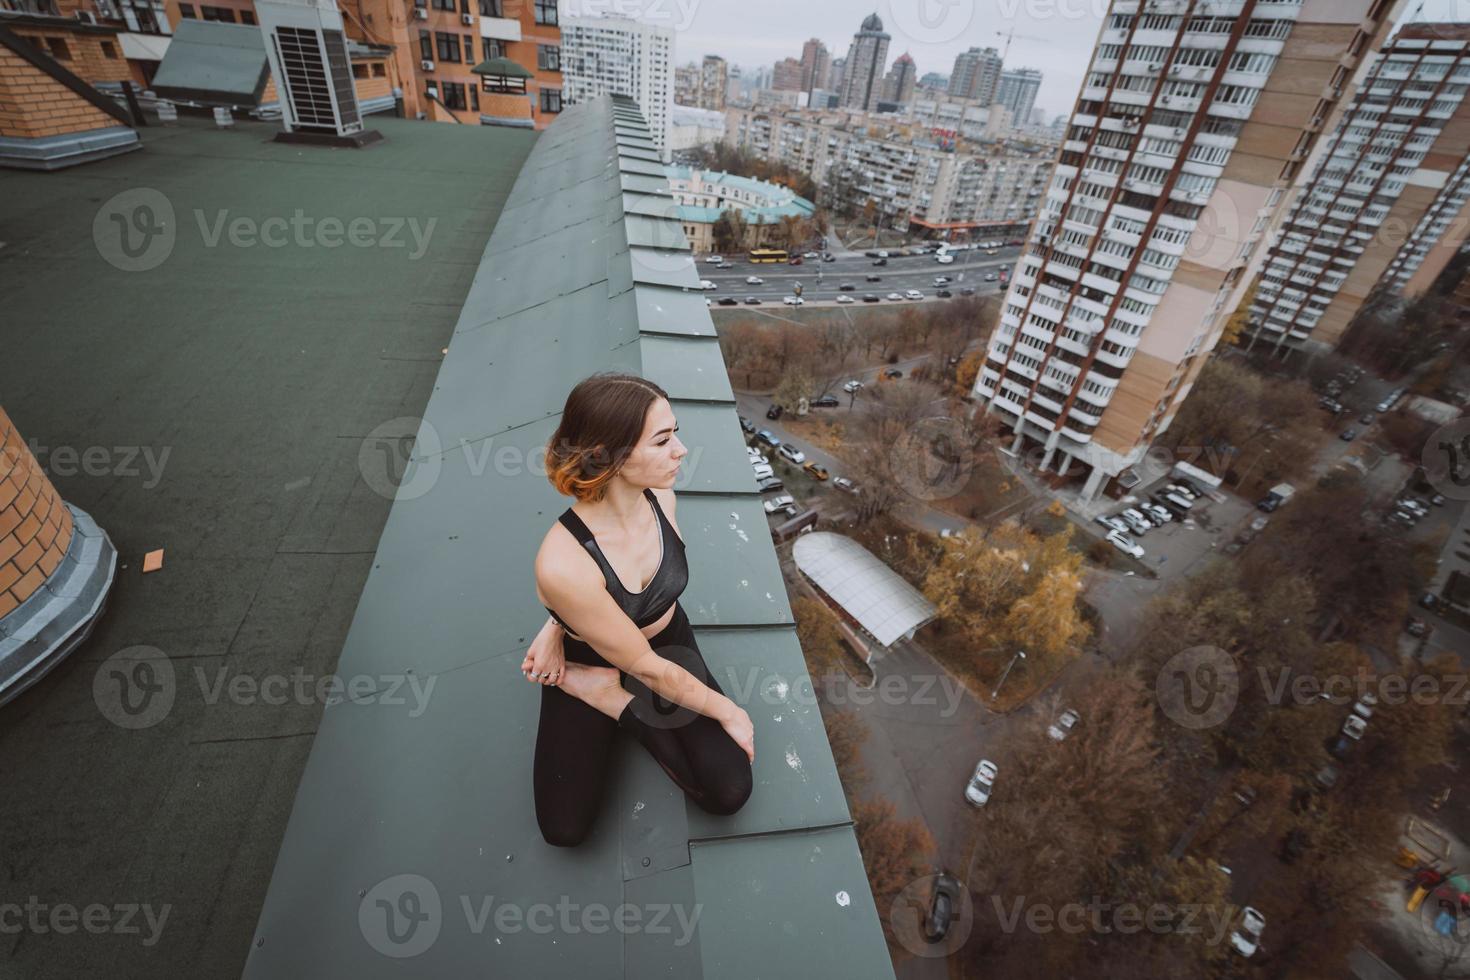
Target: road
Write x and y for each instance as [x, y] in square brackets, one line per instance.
[822, 281]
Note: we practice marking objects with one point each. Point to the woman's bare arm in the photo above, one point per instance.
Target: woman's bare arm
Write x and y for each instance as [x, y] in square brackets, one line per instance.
[580, 597]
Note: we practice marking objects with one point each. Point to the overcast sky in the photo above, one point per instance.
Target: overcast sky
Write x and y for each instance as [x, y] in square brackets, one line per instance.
[1056, 36]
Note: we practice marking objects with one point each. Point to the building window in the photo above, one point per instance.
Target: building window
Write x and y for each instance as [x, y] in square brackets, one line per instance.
[551, 100]
[546, 11]
[442, 5]
[223, 15]
[490, 8]
[448, 46]
[186, 10]
[454, 95]
[359, 71]
[59, 50]
[474, 98]
[378, 70]
[504, 84]
[492, 48]
[426, 46]
[108, 51]
[548, 57]
[469, 48]
[247, 17]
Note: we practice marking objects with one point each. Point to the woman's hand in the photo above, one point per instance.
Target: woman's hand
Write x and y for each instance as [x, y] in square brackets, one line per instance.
[736, 723]
[545, 659]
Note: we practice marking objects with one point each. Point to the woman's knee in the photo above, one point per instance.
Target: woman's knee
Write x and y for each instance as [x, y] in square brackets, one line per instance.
[728, 795]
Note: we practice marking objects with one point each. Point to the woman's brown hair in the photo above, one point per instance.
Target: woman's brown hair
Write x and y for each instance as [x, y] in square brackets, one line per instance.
[600, 427]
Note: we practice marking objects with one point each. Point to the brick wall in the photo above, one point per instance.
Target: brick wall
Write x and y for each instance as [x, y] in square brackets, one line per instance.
[35, 526]
[86, 54]
[34, 104]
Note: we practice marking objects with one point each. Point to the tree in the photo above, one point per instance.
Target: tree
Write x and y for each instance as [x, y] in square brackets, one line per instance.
[895, 853]
[1241, 318]
[730, 231]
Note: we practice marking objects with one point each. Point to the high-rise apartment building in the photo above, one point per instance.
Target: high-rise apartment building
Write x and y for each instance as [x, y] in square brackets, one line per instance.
[1382, 198]
[816, 62]
[1017, 92]
[621, 56]
[898, 84]
[836, 75]
[862, 77]
[976, 75]
[786, 76]
[1123, 290]
[713, 80]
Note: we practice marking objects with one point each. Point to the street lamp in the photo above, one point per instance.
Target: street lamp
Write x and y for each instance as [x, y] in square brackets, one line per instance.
[1020, 654]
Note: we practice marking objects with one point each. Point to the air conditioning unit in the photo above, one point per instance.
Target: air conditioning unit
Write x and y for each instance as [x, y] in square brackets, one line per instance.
[1156, 67]
[426, 65]
[420, 13]
[431, 90]
[307, 51]
[467, 19]
[86, 17]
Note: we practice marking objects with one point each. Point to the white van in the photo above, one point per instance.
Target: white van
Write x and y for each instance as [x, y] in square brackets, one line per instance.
[944, 258]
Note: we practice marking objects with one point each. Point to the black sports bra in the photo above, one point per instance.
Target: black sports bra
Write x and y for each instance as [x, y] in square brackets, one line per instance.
[643, 608]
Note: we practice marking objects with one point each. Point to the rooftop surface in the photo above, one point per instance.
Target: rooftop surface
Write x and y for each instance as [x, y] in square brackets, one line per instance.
[225, 395]
[413, 840]
[242, 384]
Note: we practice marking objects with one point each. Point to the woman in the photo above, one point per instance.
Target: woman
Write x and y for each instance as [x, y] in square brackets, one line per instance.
[618, 651]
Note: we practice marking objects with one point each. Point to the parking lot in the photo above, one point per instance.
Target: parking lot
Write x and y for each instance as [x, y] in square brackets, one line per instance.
[1175, 546]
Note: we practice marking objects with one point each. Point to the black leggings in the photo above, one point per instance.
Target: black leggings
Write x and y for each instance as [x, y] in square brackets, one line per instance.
[574, 739]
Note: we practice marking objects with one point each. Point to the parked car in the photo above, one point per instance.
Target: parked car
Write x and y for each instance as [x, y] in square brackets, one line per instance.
[826, 401]
[755, 455]
[967, 291]
[729, 301]
[1175, 499]
[725, 265]
[1366, 418]
[944, 258]
[982, 783]
[1354, 727]
[1246, 938]
[844, 298]
[816, 471]
[1062, 727]
[774, 412]
[1136, 522]
[1429, 600]
[746, 425]
[763, 471]
[811, 255]
[944, 294]
[768, 438]
[770, 484]
[880, 261]
[1363, 707]
[948, 895]
[895, 296]
[752, 301]
[1125, 544]
[791, 454]
[754, 281]
[1111, 523]
[847, 287]
[991, 277]
[714, 259]
[845, 485]
[829, 257]
[941, 280]
[1413, 505]
[778, 503]
[1348, 435]
[793, 301]
[1156, 513]
[892, 373]
[870, 297]
[852, 386]
[912, 294]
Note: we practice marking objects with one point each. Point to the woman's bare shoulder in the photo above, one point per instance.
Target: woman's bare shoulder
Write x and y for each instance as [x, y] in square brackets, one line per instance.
[666, 501]
[562, 562]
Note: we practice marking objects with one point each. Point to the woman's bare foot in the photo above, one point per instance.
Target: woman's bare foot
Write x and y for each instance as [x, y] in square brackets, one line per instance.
[598, 686]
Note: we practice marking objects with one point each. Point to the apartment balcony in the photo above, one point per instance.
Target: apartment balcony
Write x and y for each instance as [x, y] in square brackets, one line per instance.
[1075, 436]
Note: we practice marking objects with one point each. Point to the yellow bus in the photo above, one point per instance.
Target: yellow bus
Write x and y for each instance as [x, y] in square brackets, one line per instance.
[758, 255]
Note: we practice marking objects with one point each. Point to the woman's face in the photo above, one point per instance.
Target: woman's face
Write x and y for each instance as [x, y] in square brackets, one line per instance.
[655, 460]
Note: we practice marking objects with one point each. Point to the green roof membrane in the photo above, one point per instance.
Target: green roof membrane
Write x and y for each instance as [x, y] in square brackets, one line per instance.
[426, 822]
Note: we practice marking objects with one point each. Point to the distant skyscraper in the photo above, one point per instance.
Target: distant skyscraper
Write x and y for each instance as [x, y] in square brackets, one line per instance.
[621, 56]
[976, 75]
[898, 84]
[836, 74]
[816, 62]
[1017, 92]
[787, 75]
[713, 80]
[862, 80]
